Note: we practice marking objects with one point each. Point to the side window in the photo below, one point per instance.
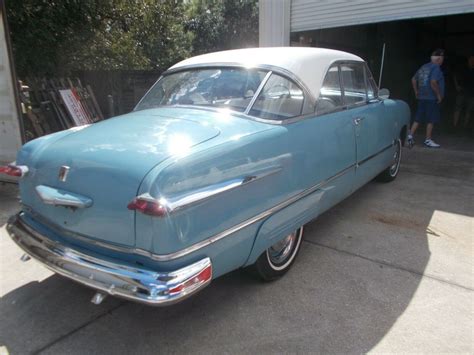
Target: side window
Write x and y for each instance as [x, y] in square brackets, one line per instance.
[372, 89]
[353, 82]
[280, 99]
[330, 95]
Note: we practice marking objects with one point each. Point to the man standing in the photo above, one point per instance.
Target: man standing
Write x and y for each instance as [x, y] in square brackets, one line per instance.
[428, 84]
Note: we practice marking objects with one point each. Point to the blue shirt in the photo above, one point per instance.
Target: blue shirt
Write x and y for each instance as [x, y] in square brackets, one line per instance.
[423, 77]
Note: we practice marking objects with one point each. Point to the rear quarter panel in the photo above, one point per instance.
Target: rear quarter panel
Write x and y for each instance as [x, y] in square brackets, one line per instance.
[236, 158]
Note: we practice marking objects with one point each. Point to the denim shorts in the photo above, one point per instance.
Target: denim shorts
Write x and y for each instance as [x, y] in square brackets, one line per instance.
[428, 112]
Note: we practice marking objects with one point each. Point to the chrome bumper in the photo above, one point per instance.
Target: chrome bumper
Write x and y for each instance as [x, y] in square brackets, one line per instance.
[141, 285]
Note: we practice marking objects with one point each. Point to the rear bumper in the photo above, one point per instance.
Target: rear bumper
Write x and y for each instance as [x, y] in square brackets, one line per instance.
[141, 285]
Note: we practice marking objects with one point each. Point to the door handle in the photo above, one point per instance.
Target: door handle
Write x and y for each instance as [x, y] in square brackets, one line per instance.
[358, 120]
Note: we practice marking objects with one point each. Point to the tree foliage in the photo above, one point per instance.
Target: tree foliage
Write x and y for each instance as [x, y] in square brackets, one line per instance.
[55, 37]
[222, 24]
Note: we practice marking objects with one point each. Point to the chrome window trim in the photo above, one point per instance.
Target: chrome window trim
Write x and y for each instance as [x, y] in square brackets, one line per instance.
[257, 93]
[360, 103]
[338, 63]
[292, 118]
[270, 68]
[367, 84]
[338, 108]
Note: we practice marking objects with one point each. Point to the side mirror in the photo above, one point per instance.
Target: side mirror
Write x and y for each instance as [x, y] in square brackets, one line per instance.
[384, 94]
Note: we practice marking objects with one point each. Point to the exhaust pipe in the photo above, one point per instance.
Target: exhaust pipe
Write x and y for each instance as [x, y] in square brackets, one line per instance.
[25, 257]
[98, 298]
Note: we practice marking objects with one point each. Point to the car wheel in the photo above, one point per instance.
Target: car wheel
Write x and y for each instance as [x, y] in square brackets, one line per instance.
[391, 172]
[277, 260]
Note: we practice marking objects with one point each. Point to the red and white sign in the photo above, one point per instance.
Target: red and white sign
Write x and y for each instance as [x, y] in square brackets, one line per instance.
[74, 107]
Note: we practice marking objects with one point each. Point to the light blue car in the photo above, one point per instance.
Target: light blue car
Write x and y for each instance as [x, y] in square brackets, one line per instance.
[219, 167]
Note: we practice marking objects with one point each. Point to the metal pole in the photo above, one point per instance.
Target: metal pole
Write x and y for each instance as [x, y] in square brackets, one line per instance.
[381, 65]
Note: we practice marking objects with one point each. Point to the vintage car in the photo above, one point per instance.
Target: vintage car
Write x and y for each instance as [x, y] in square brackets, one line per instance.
[218, 167]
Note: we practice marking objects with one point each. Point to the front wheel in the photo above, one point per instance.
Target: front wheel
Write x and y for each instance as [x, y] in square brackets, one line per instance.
[391, 172]
[277, 260]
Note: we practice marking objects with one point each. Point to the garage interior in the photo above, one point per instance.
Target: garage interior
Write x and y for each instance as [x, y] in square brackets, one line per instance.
[408, 45]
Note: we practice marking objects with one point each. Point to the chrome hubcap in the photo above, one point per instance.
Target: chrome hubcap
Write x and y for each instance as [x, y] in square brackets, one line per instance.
[280, 251]
[396, 159]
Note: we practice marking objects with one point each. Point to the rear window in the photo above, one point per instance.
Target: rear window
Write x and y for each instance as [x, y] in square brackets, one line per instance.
[231, 88]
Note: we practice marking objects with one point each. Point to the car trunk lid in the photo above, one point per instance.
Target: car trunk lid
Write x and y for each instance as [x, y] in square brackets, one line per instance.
[105, 163]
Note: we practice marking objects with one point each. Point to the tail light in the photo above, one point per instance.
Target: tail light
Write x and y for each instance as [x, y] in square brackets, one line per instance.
[148, 206]
[193, 283]
[14, 170]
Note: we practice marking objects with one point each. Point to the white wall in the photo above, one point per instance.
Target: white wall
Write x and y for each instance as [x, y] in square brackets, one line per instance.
[274, 23]
[10, 137]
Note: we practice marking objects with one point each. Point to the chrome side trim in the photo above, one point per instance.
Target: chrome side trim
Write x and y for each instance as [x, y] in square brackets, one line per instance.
[201, 244]
[58, 197]
[363, 161]
[137, 284]
[198, 196]
[227, 232]
[236, 228]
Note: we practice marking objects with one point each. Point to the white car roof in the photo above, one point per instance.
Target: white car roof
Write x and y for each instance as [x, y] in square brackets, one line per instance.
[308, 64]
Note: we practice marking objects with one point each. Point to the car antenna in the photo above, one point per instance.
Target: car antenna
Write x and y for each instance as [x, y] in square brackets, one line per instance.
[381, 65]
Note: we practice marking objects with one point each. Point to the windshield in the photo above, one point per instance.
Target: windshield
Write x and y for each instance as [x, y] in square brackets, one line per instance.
[231, 88]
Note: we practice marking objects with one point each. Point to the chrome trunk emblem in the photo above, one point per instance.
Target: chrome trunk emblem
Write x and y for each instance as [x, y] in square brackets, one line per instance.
[63, 172]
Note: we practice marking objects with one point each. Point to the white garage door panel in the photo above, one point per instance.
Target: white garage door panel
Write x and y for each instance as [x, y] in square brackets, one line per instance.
[317, 14]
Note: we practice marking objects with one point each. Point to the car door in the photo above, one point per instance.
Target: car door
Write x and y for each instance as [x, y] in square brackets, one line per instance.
[367, 112]
[328, 142]
[319, 137]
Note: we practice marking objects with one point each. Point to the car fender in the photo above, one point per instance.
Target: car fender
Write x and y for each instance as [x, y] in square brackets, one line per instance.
[288, 219]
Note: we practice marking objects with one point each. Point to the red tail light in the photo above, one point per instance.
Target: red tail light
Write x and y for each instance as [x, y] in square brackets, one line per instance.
[147, 206]
[13, 170]
[204, 276]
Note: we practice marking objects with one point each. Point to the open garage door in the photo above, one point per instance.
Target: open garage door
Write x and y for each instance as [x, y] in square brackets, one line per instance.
[318, 14]
[408, 44]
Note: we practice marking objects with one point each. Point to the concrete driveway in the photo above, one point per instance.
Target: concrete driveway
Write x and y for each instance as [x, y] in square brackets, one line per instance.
[390, 269]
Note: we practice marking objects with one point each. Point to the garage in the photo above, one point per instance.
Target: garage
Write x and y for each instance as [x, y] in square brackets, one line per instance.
[395, 37]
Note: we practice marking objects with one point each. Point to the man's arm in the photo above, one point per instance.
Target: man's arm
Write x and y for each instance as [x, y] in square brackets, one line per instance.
[435, 86]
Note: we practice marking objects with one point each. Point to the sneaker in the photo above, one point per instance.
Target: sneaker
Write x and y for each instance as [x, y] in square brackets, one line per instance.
[410, 141]
[430, 143]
